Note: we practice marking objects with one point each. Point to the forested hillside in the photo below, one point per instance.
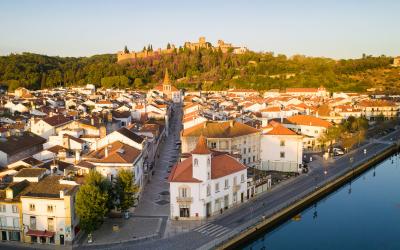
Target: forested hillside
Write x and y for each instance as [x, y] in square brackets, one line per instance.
[203, 69]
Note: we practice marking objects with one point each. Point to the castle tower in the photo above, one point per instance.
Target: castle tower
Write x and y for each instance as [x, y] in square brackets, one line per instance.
[201, 160]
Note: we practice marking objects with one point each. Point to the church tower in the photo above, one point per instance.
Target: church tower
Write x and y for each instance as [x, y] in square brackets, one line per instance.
[201, 160]
[166, 83]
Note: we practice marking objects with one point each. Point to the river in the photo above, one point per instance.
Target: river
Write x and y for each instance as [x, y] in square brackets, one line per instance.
[363, 214]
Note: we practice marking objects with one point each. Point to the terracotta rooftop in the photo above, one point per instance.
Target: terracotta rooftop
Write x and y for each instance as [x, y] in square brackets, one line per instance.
[291, 90]
[308, 120]
[31, 172]
[57, 120]
[218, 129]
[221, 165]
[118, 152]
[18, 143]
[279, 129]
[201, 147]
[48, 187]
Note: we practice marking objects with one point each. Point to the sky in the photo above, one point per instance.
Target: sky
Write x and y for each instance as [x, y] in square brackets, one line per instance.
[337, 29]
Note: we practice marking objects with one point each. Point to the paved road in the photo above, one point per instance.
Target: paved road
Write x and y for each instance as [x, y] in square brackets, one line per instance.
[206, 236]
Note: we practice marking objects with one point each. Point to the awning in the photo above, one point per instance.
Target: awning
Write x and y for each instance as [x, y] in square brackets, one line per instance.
[40, 233]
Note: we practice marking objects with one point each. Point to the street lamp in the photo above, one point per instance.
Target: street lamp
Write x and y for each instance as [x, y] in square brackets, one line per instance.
[352, 169]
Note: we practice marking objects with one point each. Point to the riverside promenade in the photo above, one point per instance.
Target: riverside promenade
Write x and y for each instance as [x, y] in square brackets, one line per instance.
[216, 231]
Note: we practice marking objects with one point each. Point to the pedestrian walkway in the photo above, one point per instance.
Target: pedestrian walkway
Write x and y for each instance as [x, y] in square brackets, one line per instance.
[211, 229]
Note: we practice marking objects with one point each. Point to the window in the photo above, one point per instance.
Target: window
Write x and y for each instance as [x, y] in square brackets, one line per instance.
[244, 142]
[316, 131]
[208, 176]
[14, 209]
[244, 161]
[16, 222]
[31, 207]
[213, 144]
[254, 158]
[249, 159]
[244, 151]
[2, 208]
[242, 178]
[32, 222]
[248, 150]
[50, 208]
[208, 190]
[282, 154]
[3, 221]
[217, 187]
[208, 162]
[184, 212]
[183, 192]
[234, 180]
[282, 143]
[50, 224]
[196, 162]
[226, 184]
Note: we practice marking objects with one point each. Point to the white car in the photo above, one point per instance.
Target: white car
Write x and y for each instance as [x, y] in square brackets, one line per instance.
[337, 151]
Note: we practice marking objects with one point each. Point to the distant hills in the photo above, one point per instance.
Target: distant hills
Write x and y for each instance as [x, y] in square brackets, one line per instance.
[204, 69]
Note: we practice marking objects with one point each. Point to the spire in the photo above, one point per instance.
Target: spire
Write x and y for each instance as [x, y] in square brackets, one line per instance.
[166, 77]
[201, 147]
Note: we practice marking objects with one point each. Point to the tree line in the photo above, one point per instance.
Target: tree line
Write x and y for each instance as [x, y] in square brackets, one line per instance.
[204, 69]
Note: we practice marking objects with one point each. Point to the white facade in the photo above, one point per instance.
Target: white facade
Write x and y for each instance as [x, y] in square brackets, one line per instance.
[281, 152]
[198, 200]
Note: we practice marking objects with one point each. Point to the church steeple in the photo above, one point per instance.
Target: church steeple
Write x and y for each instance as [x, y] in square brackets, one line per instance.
[166, 77]
[166, 83]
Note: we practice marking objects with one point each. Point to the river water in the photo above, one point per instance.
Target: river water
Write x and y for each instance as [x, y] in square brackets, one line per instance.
[363, 214]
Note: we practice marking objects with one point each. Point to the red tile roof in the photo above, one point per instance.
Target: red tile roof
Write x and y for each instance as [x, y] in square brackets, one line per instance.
[183, 172]
[309, 120]
[201, 147]
[221, 165]
[279, 129]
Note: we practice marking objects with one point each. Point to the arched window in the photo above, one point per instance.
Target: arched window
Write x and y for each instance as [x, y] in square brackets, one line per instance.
[208, 162]
[196, 162]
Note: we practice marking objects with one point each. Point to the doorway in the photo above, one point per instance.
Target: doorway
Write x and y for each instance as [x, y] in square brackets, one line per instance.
[61, 239]
[3, 235]
[208, 209]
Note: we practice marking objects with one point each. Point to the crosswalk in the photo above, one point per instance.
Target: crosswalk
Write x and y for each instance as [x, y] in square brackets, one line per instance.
[213, 230]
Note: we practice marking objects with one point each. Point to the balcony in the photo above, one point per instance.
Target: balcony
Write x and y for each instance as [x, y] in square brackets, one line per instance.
[184, 199]
[236, 187]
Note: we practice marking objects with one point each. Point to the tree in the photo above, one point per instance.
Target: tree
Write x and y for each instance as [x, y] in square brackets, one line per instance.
[138, 83]
[126, 51]
[168, 46]
[91, 202]
[125, 190]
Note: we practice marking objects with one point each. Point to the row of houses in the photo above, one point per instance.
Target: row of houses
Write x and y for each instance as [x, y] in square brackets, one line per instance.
[49, 146]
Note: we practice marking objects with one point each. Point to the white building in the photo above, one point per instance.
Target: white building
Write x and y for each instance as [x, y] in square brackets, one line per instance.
[48, 213]
[281, 149]
[206, 183]
[310, 126]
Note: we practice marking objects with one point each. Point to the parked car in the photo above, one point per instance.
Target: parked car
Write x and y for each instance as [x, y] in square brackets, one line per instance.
[337, 151]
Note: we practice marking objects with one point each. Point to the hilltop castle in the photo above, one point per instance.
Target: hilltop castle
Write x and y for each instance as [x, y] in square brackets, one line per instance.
[202, 43]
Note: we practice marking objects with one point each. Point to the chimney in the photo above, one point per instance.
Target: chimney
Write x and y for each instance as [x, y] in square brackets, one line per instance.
[92, 121]
[106, 151]
[61, 194]
[231, 123]
[77, 156]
